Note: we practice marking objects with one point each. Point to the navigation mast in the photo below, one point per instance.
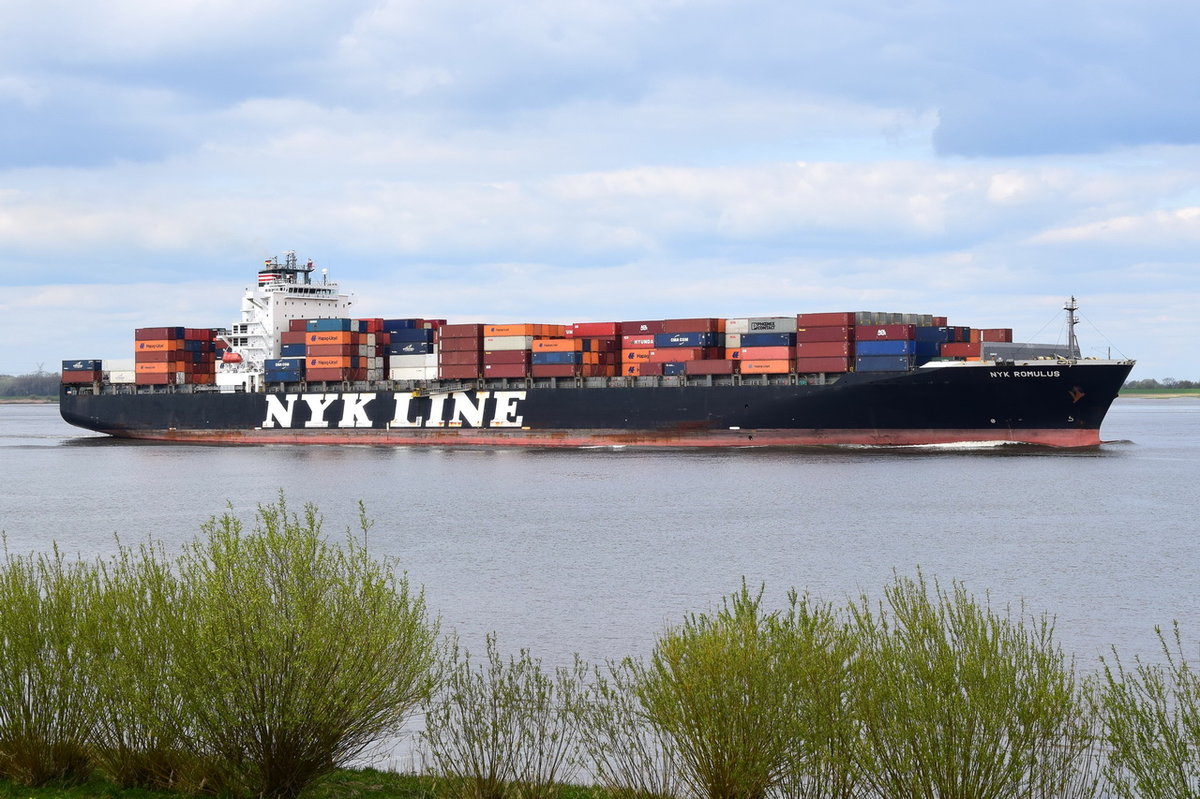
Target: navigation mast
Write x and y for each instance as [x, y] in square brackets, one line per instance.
[1072, 343]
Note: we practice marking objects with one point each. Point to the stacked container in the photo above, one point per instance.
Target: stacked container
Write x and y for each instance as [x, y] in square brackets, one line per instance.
[885, 347]
[174, 356]
[763, 345]
[508, 349]
[411, 349]
[337, 350]
[825, 342]
[460, 352]
[82, 371]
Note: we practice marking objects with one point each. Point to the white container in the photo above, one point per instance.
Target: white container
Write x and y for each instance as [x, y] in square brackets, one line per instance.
[122, 376]
[413, 373]
[761, 324]
[415, 361]
[507, 343]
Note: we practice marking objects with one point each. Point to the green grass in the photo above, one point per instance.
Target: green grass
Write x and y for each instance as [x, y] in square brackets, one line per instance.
[1160, 392]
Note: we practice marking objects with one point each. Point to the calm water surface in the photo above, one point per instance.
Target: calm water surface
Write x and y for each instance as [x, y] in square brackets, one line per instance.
[594, 551]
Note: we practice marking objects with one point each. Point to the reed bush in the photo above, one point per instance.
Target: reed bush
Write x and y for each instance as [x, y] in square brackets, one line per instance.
[628, 756]
[47, 695]
[503, 729]
[291, 655]
[728, 689]
[1152, 723]
[958, 701]
[139, 734]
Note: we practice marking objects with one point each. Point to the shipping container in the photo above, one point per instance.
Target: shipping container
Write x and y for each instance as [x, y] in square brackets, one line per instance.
[284, 364]
[81, 376]
[467, 331]
[811, 365]
[885, 332]
[413, 373]
[826, 320]
[706, 325]
[593, 329]
[558, 344]
[676, 354]
[506, 370]
[92, 365]
[497, 343]
[882, 363]
[934, 334]
[1000, 334]
[818, 334]
[464, 358]
[424, 361]
[414, 334]
[637, 342]
[767, 339]
[459, 371]
[468, 344]
[673, 368]
[761, 354]
[330, 325]
[554, 369]
[824, 349]
[411, 348]
[574, 357]
[157, 333]
[158, 345]
[961, 349]
[334, 350]
[714, 366]
[885, 347]
[772, 367]
[700, 339]
[761, 324]
[506, 356]
[647, 327]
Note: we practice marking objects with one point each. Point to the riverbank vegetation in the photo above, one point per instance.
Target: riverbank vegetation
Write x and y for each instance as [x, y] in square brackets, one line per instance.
[38, 386]
[264, 661]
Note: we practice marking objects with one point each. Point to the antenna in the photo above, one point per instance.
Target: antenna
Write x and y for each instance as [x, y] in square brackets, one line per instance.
[1072, 343]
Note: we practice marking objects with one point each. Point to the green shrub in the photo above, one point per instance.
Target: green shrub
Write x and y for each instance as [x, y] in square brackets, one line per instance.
[1152, 717]
[629, 756]
[728, 690]
[957, 701]
[47, 696]
[503, 729]
[291, 656]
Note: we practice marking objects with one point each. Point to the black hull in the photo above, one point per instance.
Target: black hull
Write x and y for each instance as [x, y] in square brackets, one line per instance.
[1060, 405]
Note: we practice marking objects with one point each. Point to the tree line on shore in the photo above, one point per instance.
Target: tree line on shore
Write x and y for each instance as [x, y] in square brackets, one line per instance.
[261, 658]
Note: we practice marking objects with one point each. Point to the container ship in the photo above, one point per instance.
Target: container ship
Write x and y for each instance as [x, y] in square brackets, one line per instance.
[299, 368]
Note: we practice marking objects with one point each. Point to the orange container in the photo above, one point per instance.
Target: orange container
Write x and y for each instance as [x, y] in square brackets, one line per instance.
[675, 354]
[635, 356]
[331, 337]
[761, 354]
[335, 362]
[557, 345]
[772, 367]
[155, 368]
[976, 335]
[159, 345]
[510, 330]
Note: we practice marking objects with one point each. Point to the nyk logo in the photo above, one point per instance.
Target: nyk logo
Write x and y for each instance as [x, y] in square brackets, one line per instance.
[353, 409]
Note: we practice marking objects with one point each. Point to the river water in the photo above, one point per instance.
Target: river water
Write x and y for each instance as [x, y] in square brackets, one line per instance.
[595, 551]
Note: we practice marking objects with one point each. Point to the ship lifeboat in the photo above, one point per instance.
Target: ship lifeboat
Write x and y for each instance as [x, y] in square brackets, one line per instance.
[231, 357]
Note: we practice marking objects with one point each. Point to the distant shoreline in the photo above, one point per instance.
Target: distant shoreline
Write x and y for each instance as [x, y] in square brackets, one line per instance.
[1182, 393]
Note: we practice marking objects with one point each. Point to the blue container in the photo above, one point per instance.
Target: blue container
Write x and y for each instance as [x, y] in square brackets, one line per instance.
[886, 347]
[330, 325]
[292, 350]
[553, 358]
[284, 365]
[282, 377]
[883, 363]
[928, 349]
[82, 366]
[768, 339]
[662, 340]
[414, 334]
[673, 368]
[394, 325]
[935, 334]
[410, 348]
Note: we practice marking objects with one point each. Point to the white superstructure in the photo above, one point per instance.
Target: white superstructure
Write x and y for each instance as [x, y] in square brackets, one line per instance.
[284, 292]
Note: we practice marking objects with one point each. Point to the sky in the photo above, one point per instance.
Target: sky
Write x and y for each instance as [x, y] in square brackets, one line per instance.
[594, 160]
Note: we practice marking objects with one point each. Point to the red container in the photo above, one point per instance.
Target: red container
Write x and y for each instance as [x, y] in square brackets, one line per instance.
[332, 350]
[709, 367]
[597, 329]
[692, 325]
[506, 370]
[297, 325]
[939, 321]
[151, 333]
[506, 357]
[824, 349]
[293, 337]
[461, 331]
[159, 379]
[825, 319]
[601, 345]
[641, 369]
[637, 342]
[675, 354]
[997, 334]
[650, 327]
[154, 356]
[961, 349]
[459, 372]
[824, 334]
[461, 345]
[465, 358]
[812, 365]
[73, 378]
[885, 332]
[554, 370]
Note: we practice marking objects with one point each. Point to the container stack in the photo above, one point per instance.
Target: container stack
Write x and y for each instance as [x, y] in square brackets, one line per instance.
[763, 345]
[82, 371]
[337, 350]
[825, 342]
[885, 347]
[460, 352]
[508, 349]
[670, 346]
[411, 348]
[575, 353]
[174, 356]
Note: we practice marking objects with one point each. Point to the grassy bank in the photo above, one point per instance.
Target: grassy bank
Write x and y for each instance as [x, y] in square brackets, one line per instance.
[1160, 393]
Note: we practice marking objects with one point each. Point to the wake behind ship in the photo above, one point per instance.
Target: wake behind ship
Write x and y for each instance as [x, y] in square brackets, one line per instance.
[298, 368]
